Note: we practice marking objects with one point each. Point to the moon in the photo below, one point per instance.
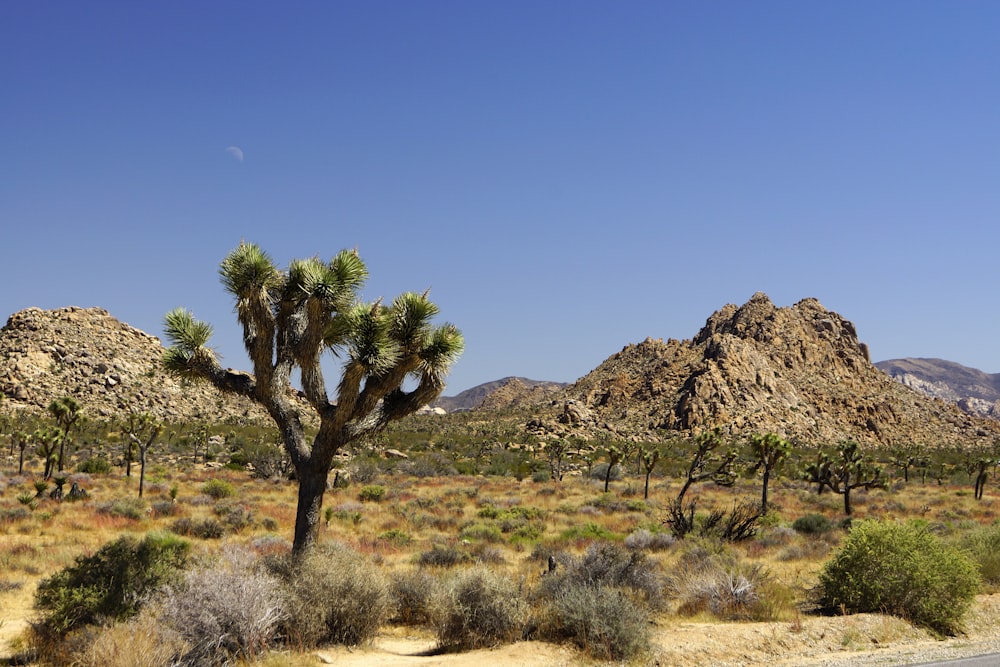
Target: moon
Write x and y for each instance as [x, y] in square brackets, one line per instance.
[236, 152]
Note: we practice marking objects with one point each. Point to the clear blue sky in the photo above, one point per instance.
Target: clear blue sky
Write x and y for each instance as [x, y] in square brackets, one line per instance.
[566, 177]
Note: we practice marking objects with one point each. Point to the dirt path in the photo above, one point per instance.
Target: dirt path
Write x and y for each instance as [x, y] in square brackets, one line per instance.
[863, 639]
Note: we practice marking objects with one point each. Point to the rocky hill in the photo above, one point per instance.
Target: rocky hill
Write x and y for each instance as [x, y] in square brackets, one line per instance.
[107, 365]
[799, 371]
[499, 394]
[974, 391]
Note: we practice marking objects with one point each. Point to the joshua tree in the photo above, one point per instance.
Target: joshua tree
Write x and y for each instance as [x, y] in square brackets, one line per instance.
[851, 470]
[649, 457]
[142, 430]
[706, 464]
[616, 454]
[289, 319]
[48, 443]
[20, 440]
[66, 412]
[769, 450]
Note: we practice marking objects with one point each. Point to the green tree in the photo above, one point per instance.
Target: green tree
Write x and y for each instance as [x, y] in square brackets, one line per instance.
[769, 450]
[66, 412]
[289, 319]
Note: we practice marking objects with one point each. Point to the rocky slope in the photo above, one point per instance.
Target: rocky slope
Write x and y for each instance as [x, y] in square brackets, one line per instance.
[107, 365]
[799, 371]
[974, 391]
[499, 394]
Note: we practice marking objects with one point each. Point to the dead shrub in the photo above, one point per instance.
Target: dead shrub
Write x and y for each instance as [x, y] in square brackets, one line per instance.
[227, 610]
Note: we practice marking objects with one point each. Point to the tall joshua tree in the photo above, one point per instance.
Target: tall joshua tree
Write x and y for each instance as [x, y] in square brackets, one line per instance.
[289, 318]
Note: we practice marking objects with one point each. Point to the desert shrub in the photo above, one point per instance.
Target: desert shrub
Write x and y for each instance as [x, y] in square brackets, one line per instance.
[111, 584]
[731, 591]
[140, 642]
[266, 460]
[165, 508]
[478, 608]
[126, 508]
[235, 516]
[983, 546]
[429, 464]
[444, 556]
[336, 595]
[481, 532]
[227, 610]
[95, 465]
[901, 569]
[600, 470]
[644, 540]
[605, 621]
[218, 489]
[205, 529]
[812, 524]
[587, 531]
[413, 590]
[395, 536]
[609, 565]
[371, 493]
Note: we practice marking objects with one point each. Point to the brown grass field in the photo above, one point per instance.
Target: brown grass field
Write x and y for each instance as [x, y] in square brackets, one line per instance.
[475, 516]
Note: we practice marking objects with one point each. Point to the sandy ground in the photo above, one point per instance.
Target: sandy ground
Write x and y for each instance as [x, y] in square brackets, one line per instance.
[863, 639]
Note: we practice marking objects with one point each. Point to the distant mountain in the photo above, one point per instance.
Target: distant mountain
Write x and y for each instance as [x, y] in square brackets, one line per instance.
[498, 394]
[974, 391]
[798, 371]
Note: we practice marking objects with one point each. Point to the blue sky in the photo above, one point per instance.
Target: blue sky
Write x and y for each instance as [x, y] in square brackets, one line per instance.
[566, 177]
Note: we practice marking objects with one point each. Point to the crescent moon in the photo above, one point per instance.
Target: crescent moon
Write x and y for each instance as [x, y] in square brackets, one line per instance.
[236, 152]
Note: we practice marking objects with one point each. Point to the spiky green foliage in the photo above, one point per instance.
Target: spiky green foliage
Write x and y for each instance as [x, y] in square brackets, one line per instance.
[289, 319]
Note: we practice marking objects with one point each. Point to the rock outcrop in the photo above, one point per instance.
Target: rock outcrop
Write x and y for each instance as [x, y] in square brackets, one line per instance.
[799, 371]
[105, 364]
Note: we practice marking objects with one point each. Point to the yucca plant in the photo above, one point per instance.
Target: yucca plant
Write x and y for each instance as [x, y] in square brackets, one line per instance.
[290, 318]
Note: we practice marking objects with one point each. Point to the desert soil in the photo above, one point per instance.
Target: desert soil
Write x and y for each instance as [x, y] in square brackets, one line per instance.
[845, 641]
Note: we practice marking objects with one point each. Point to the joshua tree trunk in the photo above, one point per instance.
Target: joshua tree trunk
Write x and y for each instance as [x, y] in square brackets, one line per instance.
[312, 486]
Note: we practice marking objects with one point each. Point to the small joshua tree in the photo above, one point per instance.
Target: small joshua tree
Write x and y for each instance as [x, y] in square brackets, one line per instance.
[289, 318]
[142, 429]
[850, 470]
[769, 450]
[66, 412]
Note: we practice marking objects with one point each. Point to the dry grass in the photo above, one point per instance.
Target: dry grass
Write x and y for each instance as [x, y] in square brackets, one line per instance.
[508, 523]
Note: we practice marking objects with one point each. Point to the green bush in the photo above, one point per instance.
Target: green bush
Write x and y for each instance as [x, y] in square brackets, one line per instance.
[111, 584]
[218, 489]
[371, 493]
[812, 524]
[901, 569]
[95, 465]
[983, 546]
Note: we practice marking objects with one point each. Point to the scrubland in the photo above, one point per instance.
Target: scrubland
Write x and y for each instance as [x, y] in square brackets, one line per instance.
[419, 562]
